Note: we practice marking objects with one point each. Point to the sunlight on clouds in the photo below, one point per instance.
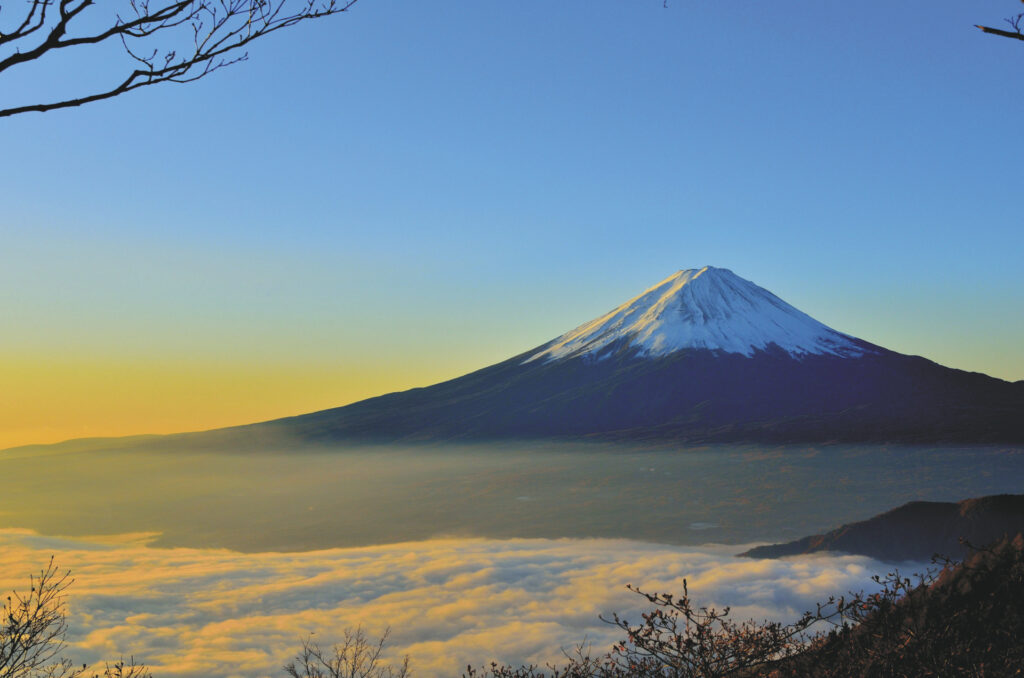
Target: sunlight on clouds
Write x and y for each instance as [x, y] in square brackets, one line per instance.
[449, 603]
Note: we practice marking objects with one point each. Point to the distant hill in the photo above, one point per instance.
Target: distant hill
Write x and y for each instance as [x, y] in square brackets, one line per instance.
[915, 531]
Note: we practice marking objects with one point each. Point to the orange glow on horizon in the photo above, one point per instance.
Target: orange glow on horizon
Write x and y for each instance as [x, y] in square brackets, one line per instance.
[45, 401]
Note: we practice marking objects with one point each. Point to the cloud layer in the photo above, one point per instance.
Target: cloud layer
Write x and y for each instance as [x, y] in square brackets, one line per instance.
[191, 613]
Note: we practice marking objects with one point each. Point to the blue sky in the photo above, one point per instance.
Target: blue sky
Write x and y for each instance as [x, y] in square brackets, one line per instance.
[414, 190]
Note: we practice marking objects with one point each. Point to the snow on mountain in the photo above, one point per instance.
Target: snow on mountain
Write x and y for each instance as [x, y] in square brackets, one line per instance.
[707, 308]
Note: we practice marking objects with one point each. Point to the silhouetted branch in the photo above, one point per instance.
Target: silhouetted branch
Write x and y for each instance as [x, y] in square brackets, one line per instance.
[355, 657]
[168, 41]
[1015, 24]
[1006, 34]
[33, 626]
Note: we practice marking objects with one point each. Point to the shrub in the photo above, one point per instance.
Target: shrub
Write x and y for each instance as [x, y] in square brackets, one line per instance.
[963, 620]
[355, 657]
[33, 629]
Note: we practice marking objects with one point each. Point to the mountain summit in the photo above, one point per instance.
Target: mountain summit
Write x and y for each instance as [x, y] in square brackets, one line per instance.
[708, 308]
[702, 356]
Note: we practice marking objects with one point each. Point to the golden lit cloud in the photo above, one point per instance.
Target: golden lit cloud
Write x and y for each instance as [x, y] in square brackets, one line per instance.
[204, 612]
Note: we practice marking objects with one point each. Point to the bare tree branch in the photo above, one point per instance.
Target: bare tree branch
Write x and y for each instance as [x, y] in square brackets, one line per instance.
[1015, 23]
[355, 657]
[996, 31]
[33, 627]
[164, 41]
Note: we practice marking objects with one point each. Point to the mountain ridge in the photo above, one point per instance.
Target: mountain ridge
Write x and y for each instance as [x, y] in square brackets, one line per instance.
[916, 530]
[618, 377]
[691, 397]
[611, 385]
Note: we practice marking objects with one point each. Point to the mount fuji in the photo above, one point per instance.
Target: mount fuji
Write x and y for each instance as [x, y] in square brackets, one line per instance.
[702, 356]
[710, 308]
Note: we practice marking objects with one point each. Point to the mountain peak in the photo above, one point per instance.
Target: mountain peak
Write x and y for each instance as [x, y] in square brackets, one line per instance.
[706, 308]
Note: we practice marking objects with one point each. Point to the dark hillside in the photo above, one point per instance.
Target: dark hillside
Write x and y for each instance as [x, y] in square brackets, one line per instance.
[970, 622]
[966, 621]
[689, 396]
[915, 531]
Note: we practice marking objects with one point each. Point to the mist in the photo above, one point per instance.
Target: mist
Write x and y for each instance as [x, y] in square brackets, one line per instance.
[295, 498]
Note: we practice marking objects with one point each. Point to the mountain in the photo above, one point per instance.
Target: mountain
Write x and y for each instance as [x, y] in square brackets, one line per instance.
[712, 309]
[915, 531]
[702, 356]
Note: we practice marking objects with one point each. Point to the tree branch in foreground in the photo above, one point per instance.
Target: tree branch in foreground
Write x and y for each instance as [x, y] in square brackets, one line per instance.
[163, 41]
[1015, 24]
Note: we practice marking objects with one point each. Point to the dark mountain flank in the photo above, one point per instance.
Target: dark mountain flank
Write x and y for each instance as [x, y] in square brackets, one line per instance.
[967, 621]
[695, 396]
[916, 531]
[703, 356]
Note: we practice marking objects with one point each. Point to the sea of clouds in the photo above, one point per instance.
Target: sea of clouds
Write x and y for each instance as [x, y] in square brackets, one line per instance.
[189, 612]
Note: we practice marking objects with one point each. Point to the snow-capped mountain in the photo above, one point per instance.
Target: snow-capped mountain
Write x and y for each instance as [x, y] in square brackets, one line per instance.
[702, 356]
[708, 308]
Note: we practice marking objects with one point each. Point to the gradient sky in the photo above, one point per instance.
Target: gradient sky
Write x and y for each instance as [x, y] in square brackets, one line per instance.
[414, 190]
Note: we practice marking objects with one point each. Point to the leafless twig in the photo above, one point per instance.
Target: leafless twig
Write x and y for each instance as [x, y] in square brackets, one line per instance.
[355, 657]
[163, 40]
[1015, 23]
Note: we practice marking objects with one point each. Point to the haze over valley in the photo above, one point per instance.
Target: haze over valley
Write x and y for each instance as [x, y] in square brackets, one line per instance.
[300, 499]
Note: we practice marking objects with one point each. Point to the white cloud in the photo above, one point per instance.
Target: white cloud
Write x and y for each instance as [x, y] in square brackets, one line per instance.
[449, 602]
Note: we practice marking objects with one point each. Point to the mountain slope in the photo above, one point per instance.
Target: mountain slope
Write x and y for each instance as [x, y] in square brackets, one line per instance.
[709, 308]
[702, 356]
[915, 531]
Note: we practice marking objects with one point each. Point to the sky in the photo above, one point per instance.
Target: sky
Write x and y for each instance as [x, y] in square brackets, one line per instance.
[412, 190]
